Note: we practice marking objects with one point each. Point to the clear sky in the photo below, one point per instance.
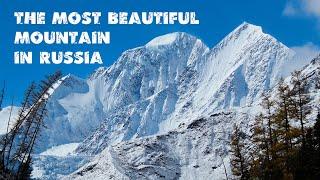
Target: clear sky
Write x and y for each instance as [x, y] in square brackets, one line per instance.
[295, 23]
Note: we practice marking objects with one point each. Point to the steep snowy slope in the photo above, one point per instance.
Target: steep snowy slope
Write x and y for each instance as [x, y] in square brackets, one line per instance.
[234, 74]
[195, 150]
[140, 90]
[175, 78]
[199, 149]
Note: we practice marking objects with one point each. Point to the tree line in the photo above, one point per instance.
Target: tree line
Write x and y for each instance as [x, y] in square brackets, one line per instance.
[281, 144]
[16, 146]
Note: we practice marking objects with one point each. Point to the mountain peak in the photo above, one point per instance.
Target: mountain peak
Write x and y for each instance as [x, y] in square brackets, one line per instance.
[168, 39]
[245, 29]
[245, 35]
[246, 25]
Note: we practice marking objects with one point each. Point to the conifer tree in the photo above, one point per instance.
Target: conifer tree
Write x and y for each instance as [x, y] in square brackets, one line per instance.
[268, 106]
[264, 159]
[16, 129]
[286, 135]
[301, 100]
[17, 145]
[238, 161]
[282, 148]
[282, 115]
[305, 167]
[260, 156]
[317, 130]
[316, 134]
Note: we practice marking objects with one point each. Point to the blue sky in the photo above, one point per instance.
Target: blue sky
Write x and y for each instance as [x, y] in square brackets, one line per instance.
[296, 23]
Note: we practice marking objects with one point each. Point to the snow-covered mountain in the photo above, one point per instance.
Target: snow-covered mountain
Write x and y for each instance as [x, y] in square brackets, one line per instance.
[198, 150]
[166, 109]
[176, 78]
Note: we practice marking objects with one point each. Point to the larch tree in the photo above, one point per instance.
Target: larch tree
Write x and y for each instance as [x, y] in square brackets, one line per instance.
[238, 160]
[301, 100]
